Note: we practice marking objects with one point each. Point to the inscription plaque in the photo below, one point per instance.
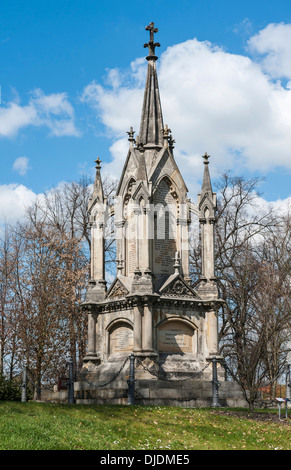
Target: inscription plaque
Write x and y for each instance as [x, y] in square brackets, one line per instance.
[121, 339]
[175, 337]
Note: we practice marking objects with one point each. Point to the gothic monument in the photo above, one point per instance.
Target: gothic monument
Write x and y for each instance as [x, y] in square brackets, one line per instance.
[151, 308]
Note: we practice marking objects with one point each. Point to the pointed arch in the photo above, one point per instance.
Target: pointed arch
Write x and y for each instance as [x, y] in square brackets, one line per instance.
[165, 225]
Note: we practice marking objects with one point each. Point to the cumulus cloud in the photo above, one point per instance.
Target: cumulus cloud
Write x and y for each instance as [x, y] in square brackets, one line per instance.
[53, 111]
[15, 198]
[14, 117]
[214, 101]
[21, 165]
[273, 48]
[281, 206]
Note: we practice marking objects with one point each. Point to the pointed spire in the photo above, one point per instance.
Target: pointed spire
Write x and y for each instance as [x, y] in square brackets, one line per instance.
[151, 124]
[98, 187]
[206, 184]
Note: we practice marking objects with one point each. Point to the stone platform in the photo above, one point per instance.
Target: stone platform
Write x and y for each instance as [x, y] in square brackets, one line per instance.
[188, 387]
[184, 393]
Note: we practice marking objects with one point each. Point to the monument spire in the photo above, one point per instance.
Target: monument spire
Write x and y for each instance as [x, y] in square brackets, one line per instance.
[207, 210]
[98, 187]
[151, 124]
[206, 184]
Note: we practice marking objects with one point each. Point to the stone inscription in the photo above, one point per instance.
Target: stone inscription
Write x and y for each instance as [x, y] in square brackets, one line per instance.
[121, 339]
[175, 337]
[165, 230]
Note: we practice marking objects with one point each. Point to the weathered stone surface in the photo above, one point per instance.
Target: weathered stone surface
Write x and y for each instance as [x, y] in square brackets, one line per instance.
[151, 307]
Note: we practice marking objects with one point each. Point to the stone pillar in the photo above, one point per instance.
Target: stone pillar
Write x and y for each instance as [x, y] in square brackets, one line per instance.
[208, 247]
[120, 244]
[184, 221]
[98, 252]
[137, 330]
[145, 247]
[212, 332]
[147, 332]
[93, 353]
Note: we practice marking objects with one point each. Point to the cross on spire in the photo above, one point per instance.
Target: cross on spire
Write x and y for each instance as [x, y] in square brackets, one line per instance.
[151, 44]
[206, 157]
[98, 161]
[131, 135]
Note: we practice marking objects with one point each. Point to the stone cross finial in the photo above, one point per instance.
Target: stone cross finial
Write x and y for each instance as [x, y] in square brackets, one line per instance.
[98, 161]
[131, 135]
[206, 157]
[151, 44]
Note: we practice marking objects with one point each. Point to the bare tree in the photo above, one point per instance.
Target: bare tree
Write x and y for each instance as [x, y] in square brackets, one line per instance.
[52, 276]
[251, 330]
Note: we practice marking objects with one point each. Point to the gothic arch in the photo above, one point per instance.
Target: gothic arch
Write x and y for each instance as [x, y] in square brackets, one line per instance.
[165, 211]
[173, 190]
[119, 336]
[181, 319]
[177, 335]
[128, 187]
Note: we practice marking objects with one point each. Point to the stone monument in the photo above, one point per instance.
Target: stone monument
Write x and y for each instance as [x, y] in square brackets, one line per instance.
[151, 307]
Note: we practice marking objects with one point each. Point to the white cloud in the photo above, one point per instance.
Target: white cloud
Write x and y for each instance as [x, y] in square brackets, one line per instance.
[53, 111]
[14, 117]
[21, 165]
[281, 207]
[15, 198]
[117, 107]
[274, 44]
[212, 100]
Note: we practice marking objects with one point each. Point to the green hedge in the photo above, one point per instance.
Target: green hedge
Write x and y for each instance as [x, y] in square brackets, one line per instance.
[10, 390]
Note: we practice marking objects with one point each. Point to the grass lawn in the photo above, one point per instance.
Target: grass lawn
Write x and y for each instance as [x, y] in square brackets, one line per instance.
[39, 426]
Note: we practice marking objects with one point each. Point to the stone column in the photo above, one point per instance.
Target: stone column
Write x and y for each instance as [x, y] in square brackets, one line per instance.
[98, 252]
[137, 330]
[212, 332]
[147, 333]
[120, 243]
[145, 239]
[93, 353]
[207, 239]
[184, 242]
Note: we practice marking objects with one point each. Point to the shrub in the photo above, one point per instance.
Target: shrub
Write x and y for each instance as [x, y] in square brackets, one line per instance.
[10, 390]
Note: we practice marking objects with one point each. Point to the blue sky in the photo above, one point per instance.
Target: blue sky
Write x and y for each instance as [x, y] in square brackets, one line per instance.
[72, 76]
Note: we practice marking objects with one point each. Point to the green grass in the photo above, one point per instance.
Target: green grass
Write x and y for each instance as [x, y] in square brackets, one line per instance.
[39, 426]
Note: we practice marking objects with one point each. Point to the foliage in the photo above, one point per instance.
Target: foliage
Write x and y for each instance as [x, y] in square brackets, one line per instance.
[9, 389]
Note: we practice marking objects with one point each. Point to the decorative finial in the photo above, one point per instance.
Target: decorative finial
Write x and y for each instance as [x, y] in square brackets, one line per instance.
[98, 161]
[131, 135]
[151, 44]
[166, 135]
[177, 263]
[206, 157]
[171, 142]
